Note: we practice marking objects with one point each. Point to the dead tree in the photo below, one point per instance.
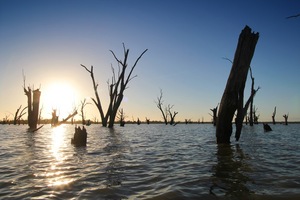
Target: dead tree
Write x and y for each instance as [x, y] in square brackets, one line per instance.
[159, 105]
[286, 116]
[233, 96]
[33, 101]
[214, 115]
[18, 116]
[147, 120]
[121, 117]
[255, 116]
[117, 87]
[171, 114]
[239, 122]
[83, 104]
[273, 115]
[251, 102]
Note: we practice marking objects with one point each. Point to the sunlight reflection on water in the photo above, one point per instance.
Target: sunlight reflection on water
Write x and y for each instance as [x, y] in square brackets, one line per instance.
[148, 161]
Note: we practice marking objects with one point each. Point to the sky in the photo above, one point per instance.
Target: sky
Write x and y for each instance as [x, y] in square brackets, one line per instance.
[187, 41]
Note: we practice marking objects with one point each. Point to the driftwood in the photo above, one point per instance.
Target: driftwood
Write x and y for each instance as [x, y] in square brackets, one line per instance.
[233, 96]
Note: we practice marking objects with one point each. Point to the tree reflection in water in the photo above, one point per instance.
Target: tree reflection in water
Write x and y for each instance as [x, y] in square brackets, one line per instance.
[115, 167]
[230, 173]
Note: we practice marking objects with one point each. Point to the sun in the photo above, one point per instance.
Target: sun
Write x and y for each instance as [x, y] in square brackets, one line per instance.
[60, 96]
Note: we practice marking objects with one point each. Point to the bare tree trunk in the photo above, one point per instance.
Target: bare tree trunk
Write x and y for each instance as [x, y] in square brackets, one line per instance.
[273, 116]
[233, 96]
[286, 116]
[251, 102]
[116, 88]
[215, 111]
[239, 123]
[33, 107]
[159, 104]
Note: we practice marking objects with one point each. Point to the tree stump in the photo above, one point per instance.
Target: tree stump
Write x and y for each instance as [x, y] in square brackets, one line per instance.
[80, 137]
[233, 96]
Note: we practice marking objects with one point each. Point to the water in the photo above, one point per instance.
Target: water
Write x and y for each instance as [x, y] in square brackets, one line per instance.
[149, 162]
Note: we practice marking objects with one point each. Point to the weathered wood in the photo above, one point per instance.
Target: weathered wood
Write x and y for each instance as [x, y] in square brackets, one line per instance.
[80, 137]
[233, 96]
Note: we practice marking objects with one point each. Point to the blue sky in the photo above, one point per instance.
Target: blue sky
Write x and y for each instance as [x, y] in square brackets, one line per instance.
[186, 40]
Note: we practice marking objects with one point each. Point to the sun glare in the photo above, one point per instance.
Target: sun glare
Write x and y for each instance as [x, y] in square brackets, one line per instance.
[60, 96]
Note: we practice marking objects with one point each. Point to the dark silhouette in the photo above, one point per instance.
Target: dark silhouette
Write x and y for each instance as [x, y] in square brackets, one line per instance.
[147, 120]
[233, 96]
[159, 105]
[273, 116]
[18, 116]
[214, 115]
[121, 117]
[267, 128]
[80, 137]
[83, 104]
[171, 114]
[286, 116]
[56, 122]
[33, 102]
[116, 88]
[253, 92]
[138, 121]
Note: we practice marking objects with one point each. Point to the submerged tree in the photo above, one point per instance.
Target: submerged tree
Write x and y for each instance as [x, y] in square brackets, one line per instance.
[117, 87]
[233, 96]
[82, 105]
[159, 105]
[273, 115]
[214, 115]
[171, 114]
[286, 116]
[121, 117]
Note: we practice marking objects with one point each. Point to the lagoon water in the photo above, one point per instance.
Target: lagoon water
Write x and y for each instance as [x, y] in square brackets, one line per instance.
[149, 162]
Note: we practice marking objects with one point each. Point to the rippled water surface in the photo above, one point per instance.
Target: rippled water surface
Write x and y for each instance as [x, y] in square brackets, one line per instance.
[149, 162]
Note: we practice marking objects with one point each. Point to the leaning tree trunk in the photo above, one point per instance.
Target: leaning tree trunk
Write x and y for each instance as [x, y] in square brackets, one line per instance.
[233, 95]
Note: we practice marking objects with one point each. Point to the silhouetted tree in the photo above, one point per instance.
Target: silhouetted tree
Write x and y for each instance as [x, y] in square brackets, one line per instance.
[82, 106]
[171, 114]
[253, 91]
[121, 117]
[138, 121]
[255, 116]
[159, 104]
[239, 121]
[233, 96]
[147, 120]
[214, 115]
[286, 116]
[117, 87]
[273, 115]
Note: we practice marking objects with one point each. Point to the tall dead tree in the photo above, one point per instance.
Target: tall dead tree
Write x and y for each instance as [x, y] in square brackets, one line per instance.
[273, 115]
[233, 96]
[251, 102]
[159, 105]
[117, 87]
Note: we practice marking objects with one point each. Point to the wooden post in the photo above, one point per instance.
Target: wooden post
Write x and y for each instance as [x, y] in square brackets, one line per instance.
[233, 96]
